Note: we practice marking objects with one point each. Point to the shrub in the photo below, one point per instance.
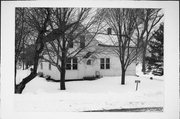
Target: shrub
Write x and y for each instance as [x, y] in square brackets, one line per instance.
[89, 78]
[48, 78]
[40, 74]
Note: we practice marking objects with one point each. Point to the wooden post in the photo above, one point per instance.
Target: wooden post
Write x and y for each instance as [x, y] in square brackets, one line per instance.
[137, 81]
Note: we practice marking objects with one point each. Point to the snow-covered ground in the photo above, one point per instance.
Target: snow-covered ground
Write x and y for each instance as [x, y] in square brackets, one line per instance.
[21, 74]
[101, 94]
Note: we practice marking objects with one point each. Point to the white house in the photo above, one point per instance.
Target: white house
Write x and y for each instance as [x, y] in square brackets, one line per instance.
[103, 64]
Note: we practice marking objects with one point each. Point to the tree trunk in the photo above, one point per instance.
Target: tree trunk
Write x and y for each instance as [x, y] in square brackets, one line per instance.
[123, 76]
[15, 72]
[62, 82]
[20, 87]
[15, 69]
[63, 72]
[63, 64]
[144, 61]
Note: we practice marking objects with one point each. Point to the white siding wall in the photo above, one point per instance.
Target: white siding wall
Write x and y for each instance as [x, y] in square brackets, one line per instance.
[115, 67]
[89, 70]
[55, 74]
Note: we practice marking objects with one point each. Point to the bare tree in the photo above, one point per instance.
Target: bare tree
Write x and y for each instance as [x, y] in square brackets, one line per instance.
[38, 20]
[21, 32]
[75, 42]
[149, 19]
[123, 23]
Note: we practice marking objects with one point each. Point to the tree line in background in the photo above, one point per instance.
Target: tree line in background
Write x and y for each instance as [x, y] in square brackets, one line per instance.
[47, 34]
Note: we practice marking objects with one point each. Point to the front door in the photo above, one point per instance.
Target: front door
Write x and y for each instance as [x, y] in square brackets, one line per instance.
[89, 69]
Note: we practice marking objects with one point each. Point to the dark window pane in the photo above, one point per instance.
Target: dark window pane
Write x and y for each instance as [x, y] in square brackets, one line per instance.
[107, 66]
[89, 62]
[102, 66]
[75, 66]
[68, 66]
[102, 60]
[107, 60]
[108, 31]
[74, 60]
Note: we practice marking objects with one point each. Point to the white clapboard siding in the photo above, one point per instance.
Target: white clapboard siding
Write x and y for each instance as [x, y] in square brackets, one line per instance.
[85, 70]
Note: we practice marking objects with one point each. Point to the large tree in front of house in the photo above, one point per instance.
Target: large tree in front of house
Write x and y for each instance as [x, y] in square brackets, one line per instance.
[37, 20]
[41, 22]
[122, 22]
[65, 52]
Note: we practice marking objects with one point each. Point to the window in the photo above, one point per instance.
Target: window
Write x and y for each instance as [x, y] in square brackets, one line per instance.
[102, 63]
[109, 31]
[105, 63]
[75, 63]
[68, 64]
[82, 41]
[41, 65]
[89, 62]
[49, 66]
[72, 64]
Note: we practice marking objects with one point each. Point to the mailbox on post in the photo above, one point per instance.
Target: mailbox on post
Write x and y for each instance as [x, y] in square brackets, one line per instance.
[137, 82]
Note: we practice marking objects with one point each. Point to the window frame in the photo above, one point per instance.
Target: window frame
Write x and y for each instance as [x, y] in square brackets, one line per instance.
[109, 31]
[89, 62]
[72, 64]
[68, 63]
[105, 63]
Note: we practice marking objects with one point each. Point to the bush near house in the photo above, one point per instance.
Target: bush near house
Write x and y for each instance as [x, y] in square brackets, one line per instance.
[90, 78]
[40, 74]
[47, 77]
